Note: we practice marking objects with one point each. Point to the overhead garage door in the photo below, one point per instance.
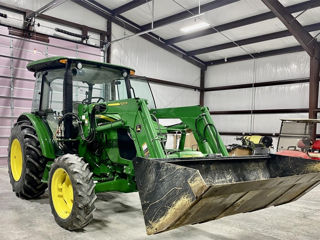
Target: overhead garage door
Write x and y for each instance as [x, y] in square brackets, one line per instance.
[17, 83]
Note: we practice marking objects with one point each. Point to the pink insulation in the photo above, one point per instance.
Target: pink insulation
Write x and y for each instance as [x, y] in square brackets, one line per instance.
[13, 72]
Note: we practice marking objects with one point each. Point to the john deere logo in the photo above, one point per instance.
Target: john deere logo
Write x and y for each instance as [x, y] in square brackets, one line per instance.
[138, 128]
[117, 104]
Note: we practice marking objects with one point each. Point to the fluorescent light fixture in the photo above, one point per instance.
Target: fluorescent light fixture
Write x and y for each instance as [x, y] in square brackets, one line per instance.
[194, 27]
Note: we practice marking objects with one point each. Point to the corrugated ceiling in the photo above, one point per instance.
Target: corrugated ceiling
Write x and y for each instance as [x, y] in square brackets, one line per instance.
[236, 11]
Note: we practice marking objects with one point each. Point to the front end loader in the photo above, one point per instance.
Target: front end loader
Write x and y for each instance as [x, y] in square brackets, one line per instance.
[94, 127]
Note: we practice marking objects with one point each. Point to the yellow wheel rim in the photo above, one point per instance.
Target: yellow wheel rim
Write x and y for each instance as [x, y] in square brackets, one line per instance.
[16, 161]
[62, 193]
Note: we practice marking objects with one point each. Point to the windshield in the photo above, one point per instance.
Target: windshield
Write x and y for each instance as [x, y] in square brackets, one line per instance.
[295, 136]
[141, 89]
[94, 74]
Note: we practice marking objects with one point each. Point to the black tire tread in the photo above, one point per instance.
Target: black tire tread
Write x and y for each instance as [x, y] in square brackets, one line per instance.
[83, 190]
[32, 187]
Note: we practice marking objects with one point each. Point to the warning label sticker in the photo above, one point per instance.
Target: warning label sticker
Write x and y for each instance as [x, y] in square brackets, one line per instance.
[145, 149]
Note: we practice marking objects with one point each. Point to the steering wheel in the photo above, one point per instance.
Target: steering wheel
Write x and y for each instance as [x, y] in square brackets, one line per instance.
[86, 100]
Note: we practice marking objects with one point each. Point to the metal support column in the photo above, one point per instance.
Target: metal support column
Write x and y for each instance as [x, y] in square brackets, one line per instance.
[314, 89]
[109, 34]
[202, 86]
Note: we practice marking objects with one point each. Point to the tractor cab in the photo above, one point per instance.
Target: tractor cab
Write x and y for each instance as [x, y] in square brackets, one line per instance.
[79, 81]
[63, 85]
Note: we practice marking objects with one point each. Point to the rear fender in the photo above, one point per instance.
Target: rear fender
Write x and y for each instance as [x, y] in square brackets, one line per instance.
[43, 133]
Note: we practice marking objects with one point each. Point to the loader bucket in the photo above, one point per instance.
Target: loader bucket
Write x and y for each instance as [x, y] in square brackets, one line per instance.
[177, 192]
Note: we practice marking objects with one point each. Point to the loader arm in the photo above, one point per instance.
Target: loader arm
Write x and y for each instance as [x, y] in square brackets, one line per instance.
[197, 119]
[147, 133]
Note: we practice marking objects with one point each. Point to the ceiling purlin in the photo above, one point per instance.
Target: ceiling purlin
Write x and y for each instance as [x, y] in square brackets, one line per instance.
[256, 39]
[128, 6]
[107, 13]
[243, 22]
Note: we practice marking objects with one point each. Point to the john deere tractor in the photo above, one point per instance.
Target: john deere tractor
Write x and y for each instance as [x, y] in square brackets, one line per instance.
[94, 127]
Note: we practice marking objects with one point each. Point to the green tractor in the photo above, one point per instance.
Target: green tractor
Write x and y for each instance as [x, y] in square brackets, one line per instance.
[94, 128]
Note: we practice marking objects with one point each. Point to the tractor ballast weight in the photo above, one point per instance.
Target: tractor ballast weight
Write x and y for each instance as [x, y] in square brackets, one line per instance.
[95, 128]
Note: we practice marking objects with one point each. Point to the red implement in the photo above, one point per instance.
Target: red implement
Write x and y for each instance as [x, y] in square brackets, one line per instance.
[293, 153]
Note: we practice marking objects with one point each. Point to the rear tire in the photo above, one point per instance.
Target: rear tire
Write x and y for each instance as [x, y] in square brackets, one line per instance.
[71, 192]
[25, 161]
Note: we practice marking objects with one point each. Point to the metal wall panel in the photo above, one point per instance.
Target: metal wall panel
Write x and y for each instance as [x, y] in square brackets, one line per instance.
[270, 97]
[268, 69]
[169, 96]
[17, 83]
[287, 66]
[150, 60]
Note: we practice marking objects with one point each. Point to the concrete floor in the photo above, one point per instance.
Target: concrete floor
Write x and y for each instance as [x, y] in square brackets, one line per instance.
[119, 216]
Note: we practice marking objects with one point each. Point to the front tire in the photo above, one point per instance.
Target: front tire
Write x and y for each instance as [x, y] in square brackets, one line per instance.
[71, 192]
[25, 161]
